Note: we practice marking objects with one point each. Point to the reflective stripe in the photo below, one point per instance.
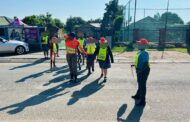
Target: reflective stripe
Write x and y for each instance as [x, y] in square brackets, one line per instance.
[45, 40]
[91, 48]
[102, 54]
[71, 50]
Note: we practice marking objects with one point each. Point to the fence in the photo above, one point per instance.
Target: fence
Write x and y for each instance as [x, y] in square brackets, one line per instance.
[154, 24]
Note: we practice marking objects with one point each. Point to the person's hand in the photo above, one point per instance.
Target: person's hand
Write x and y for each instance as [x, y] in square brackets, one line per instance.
[132, 65]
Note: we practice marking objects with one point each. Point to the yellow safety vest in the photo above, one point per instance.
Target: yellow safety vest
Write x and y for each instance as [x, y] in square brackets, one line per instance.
[91, 48]
[54, 48]
[137, 59]
[102, 54]
[45, 40]
[81, 41]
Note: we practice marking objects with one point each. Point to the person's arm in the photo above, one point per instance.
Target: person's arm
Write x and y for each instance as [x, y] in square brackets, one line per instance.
[83, 51]
[96, 52]
[110, 54]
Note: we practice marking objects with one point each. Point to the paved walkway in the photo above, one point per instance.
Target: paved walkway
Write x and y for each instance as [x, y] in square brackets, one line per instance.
[126, 57]
[30, 93]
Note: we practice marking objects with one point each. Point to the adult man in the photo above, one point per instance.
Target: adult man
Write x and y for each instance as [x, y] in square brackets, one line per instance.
[142, 70]
[72, 46]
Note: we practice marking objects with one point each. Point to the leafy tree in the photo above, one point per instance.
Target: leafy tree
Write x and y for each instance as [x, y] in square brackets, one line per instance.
[33, 20]
[95, 21]
[188, 23]
[157, 16]
[173, 18]
[73, 22]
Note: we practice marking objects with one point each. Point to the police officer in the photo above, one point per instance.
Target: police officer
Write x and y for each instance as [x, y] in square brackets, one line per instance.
[142, 70]
[72, 46]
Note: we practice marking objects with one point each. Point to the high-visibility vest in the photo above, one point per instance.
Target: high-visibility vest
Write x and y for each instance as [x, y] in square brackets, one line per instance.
[54, 48]
[91, 48]
[137, 59]
[81, 41]
[102, 54]
[45, 40]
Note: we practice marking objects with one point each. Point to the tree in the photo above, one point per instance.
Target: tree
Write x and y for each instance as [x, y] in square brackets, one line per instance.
[173, 18]
[157, 16]
[58, 23]
[188, 23]
[95, 21]
[112, 19]
[33, 20]
[73, 22]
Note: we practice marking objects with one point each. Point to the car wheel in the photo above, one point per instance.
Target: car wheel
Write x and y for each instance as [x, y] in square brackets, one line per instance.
[20, 50]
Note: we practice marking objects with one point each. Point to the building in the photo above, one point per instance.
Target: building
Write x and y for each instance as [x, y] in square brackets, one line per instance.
[89, 29]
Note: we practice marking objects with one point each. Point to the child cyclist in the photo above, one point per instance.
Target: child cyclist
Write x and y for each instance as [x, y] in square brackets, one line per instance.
[104, 54]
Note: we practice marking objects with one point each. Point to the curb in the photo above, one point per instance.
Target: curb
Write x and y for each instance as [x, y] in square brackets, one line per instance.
[63, 60]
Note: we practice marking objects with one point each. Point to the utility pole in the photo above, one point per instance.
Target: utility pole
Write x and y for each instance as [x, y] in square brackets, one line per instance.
[135, 13]
[166, 22]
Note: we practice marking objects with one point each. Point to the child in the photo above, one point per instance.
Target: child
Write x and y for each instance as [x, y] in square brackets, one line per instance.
[142, 70]
[53, 51]
[91, 46]
[104, 53]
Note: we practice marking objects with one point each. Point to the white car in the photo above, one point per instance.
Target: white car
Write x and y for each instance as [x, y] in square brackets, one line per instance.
[13, 46]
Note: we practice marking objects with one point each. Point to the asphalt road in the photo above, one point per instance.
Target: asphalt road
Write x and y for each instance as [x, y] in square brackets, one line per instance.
[29, 92]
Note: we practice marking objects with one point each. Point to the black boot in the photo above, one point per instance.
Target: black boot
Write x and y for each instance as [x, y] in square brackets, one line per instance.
[105, 80]
[136, 97]
[72, 77]
[75, 79]
[89, 72]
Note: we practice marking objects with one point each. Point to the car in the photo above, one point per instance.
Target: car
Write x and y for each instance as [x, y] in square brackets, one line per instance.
[13, 46]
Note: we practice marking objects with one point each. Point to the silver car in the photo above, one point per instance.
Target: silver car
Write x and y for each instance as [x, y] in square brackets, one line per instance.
[13, 46]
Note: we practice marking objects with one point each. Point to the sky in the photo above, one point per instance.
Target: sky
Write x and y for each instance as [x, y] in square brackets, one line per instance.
[87, 9]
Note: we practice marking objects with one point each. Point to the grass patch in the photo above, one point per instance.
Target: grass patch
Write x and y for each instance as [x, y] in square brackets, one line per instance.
[119, 49]
[124, 49]
[182, 50]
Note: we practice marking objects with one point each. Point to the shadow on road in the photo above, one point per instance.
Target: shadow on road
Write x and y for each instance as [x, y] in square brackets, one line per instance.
[36, 75]
[134, 115]
[42, 97]
[86, 91]
[39, 61]
[62, 78]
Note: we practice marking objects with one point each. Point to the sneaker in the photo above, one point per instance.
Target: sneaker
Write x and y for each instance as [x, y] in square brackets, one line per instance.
[135, 97]
[141, 103]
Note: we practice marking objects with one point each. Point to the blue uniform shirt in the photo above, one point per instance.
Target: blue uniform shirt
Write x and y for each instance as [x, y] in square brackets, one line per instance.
[143, 58]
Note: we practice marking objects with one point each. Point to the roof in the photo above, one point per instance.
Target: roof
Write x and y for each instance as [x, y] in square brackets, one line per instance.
[5, 20]
[97, 25]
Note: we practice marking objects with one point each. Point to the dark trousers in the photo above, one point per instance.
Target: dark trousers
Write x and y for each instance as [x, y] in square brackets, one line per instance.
[72, 62]
[142, 80]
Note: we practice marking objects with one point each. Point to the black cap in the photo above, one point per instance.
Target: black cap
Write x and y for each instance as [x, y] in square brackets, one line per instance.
[71, 35]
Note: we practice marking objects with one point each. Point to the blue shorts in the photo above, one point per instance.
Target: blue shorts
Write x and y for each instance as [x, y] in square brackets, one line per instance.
[45, 47]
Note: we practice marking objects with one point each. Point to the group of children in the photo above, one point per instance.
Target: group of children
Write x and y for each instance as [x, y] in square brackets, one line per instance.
[102, 52]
